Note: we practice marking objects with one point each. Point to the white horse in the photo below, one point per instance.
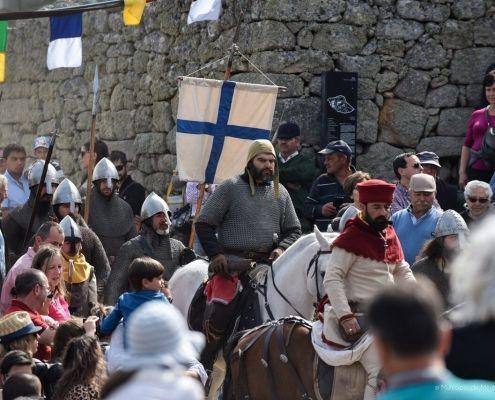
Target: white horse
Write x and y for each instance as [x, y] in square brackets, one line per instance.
[290, 277]
[290, 289]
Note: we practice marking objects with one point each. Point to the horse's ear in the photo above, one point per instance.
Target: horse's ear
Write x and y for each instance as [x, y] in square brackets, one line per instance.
[324, 244]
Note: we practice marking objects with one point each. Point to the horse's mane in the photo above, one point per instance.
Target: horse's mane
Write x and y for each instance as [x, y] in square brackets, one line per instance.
[303, 242]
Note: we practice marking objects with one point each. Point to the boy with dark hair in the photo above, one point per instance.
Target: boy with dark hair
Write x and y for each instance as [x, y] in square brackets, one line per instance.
[146, 278]
[411, 344]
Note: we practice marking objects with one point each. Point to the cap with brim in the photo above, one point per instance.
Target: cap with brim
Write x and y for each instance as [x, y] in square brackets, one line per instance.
[16, 325]
[337, 146]
[429, 158]
[288, 130]
[42, 141]
[422, 183]
[375, 191]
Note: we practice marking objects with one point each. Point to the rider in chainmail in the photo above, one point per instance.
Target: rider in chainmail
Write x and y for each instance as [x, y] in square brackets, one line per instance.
[110, 217]
[153, 241]
[247, 213]
[255, 220]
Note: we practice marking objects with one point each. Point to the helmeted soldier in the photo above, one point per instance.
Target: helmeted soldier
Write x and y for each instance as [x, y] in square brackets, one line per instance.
[153, 241]
[255, 220]
[438, 253]
[67, 201]
[366, 256]
[110, 217]
[17, 222]
[78, 274]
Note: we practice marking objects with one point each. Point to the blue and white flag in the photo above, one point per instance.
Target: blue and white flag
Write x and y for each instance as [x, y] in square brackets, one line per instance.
[216, 123]
[65, 49]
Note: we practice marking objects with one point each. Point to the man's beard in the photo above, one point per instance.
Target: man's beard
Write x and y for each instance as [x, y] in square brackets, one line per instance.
[261, 174]
[107, 197]
[378, 224]
[44, 205]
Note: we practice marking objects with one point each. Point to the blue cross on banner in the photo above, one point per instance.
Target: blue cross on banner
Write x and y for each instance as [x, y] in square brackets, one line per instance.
[216, 122]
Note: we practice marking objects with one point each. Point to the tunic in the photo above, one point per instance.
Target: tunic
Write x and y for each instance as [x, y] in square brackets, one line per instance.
[245, 222]
[356, 272]
[164, 249]
[112, 220]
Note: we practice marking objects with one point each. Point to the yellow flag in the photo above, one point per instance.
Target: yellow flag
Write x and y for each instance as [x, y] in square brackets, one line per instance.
[2, 67]
[133, 11]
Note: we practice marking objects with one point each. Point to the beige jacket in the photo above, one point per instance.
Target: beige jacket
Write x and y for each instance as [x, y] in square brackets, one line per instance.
[349, 277]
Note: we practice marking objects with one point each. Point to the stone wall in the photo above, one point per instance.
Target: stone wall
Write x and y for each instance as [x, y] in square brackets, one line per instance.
[420, 65]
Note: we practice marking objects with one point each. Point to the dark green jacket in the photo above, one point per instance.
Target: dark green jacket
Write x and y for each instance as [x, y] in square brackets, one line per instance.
[297, 175]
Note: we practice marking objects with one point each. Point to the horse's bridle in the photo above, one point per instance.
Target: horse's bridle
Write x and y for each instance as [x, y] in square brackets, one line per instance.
[264, 292]
[314, 261]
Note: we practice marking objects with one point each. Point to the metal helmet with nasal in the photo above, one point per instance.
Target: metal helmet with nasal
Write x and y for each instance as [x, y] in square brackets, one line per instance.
[72, 233]
[105, 170]
[67, 193]
[35, 172]
[450, 223]
[153, 204]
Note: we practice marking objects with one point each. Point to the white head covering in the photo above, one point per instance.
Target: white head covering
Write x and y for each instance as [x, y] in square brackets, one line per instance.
[157, 335]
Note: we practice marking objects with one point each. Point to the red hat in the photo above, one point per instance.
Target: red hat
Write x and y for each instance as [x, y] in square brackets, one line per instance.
[375, 191]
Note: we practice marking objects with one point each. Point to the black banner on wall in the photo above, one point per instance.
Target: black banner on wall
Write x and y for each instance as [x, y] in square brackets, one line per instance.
[339, 107]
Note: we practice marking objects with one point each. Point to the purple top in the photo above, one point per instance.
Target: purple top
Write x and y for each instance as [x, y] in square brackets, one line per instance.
[476, 129]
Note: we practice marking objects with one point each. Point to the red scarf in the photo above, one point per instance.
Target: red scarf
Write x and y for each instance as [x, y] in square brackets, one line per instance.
[359, 238]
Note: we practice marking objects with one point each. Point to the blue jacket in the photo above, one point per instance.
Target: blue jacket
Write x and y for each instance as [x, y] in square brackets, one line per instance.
[412, 232]
[125, 306]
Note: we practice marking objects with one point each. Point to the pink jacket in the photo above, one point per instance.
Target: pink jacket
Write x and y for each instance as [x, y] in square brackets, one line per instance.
[21, 265]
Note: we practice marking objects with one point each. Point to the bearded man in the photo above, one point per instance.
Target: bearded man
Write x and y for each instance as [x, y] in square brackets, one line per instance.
[365, 257]
[110, 217]
[153, 241]
[255, 220]
[16, 223]
[67, 201]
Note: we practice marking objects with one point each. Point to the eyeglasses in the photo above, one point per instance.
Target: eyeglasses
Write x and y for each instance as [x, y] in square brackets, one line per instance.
[482, 200]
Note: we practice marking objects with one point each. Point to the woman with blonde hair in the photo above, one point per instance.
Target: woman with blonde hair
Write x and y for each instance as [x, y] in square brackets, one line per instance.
[48, 260]
[84, 370]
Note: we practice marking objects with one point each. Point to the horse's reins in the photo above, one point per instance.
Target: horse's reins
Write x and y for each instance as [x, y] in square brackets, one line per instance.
[314, 261]
[264, 292]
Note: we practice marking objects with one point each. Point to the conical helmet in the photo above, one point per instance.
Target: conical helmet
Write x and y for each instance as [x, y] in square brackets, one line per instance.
[35, 172]
[105, 170]
[450, 223]
[153, 204]
[67, 192]
[71, 230]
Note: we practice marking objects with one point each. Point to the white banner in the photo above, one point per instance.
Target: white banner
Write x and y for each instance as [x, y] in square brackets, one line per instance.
[216, 123]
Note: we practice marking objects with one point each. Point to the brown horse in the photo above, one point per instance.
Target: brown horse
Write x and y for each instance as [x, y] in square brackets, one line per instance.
[277, 361]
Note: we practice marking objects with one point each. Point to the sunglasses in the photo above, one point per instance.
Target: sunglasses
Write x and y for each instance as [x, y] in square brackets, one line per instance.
[416, 165]
[482, 200]
[119, 167]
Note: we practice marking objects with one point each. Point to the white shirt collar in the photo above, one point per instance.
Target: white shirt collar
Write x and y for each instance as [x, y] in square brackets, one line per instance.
[284, 160]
